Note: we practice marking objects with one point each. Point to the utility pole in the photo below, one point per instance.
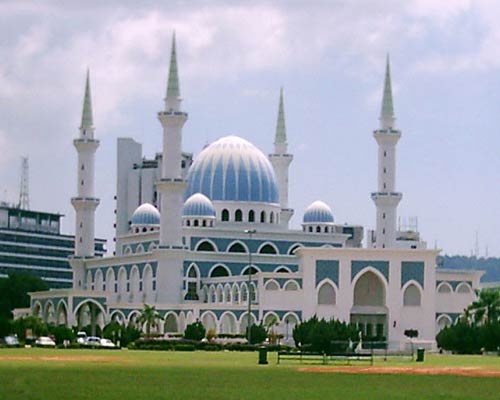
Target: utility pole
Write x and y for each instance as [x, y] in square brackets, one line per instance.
[249, 232]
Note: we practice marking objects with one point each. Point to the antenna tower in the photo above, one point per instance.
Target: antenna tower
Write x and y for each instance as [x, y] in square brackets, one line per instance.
[24, 198]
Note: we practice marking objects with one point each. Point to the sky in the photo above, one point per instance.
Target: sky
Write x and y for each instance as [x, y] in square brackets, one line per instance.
[233, 57]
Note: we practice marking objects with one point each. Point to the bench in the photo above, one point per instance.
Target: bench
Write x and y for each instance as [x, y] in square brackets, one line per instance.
[323, 357]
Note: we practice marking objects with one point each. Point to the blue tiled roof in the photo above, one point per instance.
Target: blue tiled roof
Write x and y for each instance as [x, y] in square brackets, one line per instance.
[146, 214]
[198, 205]
[318, 212]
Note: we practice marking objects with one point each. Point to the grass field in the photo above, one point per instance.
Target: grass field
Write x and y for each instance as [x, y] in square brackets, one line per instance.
[101, 375]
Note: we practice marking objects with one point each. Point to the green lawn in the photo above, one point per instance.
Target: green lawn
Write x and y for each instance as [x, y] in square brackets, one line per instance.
[103, 375]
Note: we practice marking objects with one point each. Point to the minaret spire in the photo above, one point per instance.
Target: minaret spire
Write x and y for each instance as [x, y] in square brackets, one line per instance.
[87, 125]
[173, 98]
[280, 137]
[281, 160]
[387, 118]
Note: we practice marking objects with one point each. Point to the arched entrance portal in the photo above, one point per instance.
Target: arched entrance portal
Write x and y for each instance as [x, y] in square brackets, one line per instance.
[90, 313]
[369, 311]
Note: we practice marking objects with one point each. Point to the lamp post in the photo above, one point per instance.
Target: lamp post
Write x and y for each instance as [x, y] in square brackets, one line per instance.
[249, 232]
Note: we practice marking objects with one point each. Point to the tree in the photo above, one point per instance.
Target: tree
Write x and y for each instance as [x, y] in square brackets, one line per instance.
[258, 333]
[195, 331]
[14, 291]
[150, 317]
[35, 324]
[487, 306]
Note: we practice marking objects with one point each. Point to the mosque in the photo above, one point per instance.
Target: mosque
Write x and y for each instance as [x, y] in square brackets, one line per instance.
[208, 238]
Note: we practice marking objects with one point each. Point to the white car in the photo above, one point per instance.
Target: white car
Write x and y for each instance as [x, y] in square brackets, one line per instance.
[81, 337]
[107, 343]
[93, 341]
[45, 341]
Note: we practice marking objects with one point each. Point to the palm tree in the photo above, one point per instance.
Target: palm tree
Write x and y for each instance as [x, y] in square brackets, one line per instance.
[486, 308]
[150, 317]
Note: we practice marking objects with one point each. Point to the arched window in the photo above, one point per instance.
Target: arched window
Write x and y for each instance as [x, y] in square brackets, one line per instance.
[267, 249]
[464, 288]
[291, 286]
[411, 296]
[272, 285]
[271, 217]
[205, 246]
[310, 229]
[237, 248]
[282, 270]
[318, 229]
[251, 216]
[293, 249]
[204, 223]
[225, 215]
[188, 223]
[238, 216]
[192, 272]
[219, 271]
[444, 288]
[326, 294]
[263, 216]
[196, 222]
[326, 229]
[251, 270]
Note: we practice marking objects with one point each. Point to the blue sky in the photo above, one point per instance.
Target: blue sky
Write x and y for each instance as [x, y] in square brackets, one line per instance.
[233, 57]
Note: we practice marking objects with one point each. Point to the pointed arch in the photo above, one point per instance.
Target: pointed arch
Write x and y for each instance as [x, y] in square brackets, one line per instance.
[244, 321]
[37, 309]
[235, 294]
[237, 247]
[122, 283]
[244, 293]
[267, 248]
[88, 280]
[127, 250]
[227, 323]
[282, 269]
[219, 270]
[271, 318]
[291, 285]
[293, 248]
[369, 288]
[250, 269]
[327, 293]
[412, 294]
[272, 285]
[147, 283]
[212, 295]
[118, 316]
[50, 313]
[464, 288]
[227, 294]
[225, 215]
[171, 324]
[444, 288]
[139, 249]
[443, 321]
[220, 295]
[206, 245]
[98, 280]
[152, 246]
[193, 271]
[209, 320]
[110, 280]
[62, 313]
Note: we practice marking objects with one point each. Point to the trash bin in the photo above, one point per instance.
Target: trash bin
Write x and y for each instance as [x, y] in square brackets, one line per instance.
[262, 355]
[420, 354]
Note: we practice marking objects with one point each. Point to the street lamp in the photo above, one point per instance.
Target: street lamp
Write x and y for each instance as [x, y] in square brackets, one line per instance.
[249, 232]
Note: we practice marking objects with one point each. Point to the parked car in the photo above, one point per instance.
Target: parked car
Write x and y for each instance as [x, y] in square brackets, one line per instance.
[93, 341]
[81, 337]
[107, 343]
[45, 341]
[11, 340]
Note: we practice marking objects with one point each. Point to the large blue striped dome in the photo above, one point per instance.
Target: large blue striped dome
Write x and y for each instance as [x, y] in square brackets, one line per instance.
[198, 205]
[318, 212]
[146, 214]
[233, 169]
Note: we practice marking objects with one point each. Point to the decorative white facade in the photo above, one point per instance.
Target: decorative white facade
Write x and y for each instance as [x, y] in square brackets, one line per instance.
[202, 239]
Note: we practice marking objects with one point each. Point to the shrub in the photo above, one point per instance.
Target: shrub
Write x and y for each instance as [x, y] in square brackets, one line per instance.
[325, 336]
[258, 333]
[211, 335]
[62, 333]
[195, 331]
[460, 338]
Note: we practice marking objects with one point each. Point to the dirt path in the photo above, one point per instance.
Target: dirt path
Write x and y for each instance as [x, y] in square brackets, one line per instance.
[58, 358]
[461, 371]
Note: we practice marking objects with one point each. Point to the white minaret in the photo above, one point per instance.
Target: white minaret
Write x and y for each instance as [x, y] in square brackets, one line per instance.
[386, 198]
[171, 187]
[85, 203]
[281, 160]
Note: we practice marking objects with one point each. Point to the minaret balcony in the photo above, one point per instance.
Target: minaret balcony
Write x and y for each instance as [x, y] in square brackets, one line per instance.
[387, 198]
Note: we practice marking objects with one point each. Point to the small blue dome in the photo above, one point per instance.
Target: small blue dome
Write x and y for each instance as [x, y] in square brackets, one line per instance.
[198, 205]
[233, 169]
[146, 214]
[318, 212]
